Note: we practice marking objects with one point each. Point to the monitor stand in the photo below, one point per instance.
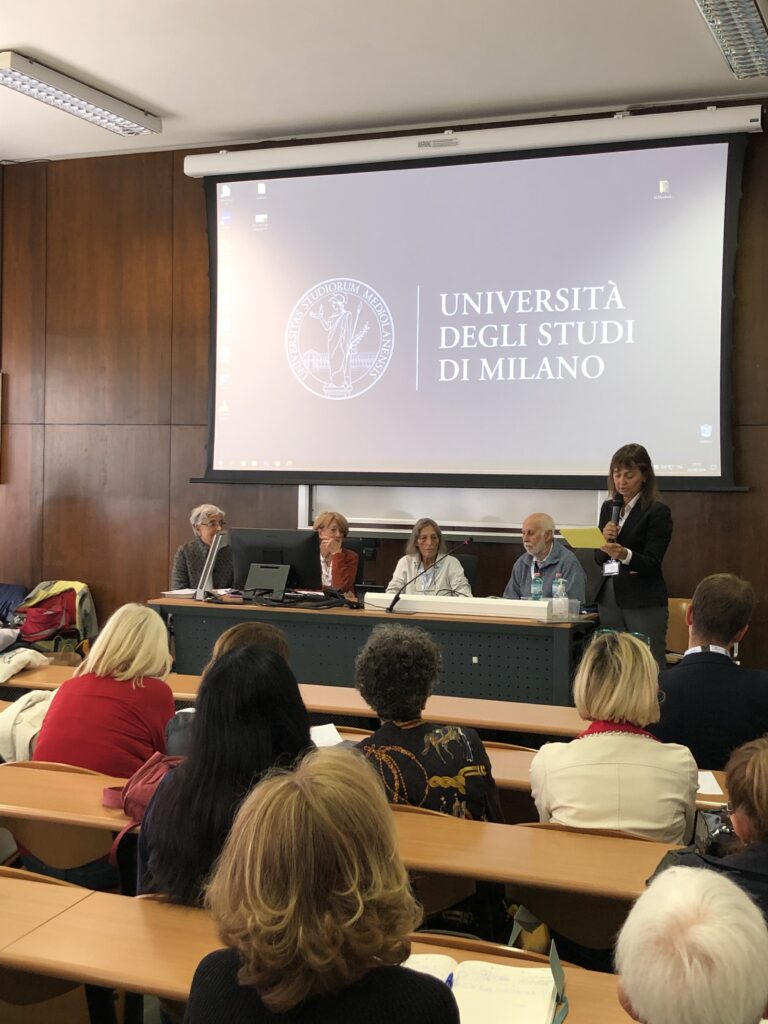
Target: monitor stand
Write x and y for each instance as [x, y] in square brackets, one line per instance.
[268, 580]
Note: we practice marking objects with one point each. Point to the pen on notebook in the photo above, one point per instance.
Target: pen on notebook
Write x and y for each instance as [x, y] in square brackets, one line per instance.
[449, 980]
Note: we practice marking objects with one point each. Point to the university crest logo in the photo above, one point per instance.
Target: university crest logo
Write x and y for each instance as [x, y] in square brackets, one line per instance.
[339, 338]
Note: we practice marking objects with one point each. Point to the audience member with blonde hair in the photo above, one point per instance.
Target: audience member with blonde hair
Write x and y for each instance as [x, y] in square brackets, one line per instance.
[313, 902]
[112, 715]
[693, 951]
[616, 775]
[746, 779]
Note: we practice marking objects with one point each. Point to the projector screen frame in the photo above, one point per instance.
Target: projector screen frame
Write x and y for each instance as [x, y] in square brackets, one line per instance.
[724, 482]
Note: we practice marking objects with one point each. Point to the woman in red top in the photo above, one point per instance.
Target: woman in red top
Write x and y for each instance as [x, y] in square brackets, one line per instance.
[112, 715]
[337, 564]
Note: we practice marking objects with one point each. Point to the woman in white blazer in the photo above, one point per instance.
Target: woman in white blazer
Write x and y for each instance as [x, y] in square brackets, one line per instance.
[616, 775]
[425, 559]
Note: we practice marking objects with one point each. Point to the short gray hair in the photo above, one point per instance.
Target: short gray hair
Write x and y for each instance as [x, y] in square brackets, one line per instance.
[694, 950]
[200, 512]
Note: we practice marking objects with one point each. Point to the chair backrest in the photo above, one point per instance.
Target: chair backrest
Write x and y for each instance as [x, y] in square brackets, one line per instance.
[61, 846]
[493, 745]
[469, 564]
[479, 947]
[356, 544]
[677, 627]
[31, 876]
[410, 809]
[54, 766]
[555, 826]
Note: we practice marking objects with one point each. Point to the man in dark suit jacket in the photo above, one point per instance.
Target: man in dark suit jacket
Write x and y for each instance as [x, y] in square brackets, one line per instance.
[712, 705]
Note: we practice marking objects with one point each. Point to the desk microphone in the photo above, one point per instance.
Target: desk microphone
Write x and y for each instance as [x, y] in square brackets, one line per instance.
[396, 598]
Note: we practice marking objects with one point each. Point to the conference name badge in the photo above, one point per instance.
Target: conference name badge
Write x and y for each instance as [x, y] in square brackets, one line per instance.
[611, 568]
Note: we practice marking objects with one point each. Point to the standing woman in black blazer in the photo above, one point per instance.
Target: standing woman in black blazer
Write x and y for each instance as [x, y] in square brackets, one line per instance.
[633, 595]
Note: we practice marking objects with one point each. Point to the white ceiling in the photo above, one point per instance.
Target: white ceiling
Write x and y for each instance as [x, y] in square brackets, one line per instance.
[231, 71]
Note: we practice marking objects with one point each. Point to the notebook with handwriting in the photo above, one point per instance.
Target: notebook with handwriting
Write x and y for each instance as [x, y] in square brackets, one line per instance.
[488, 992]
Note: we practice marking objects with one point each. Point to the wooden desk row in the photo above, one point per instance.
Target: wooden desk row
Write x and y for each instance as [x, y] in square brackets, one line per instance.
[508, 716]
[608, 867]
[510, 767]
[145, 946]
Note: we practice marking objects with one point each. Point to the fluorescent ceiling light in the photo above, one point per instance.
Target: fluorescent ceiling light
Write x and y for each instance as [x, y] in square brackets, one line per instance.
[740, 31]
[64, 93]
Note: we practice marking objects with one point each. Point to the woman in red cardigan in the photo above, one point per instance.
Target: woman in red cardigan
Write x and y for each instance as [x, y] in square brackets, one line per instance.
[338, 564]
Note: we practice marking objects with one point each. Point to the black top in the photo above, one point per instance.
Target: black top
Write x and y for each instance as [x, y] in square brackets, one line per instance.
[712, 706]
[647, 533]
[441, 767]
[748, 869]
[385, 995]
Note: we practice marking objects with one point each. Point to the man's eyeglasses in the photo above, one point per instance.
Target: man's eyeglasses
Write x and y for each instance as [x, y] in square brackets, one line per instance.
[215, 522]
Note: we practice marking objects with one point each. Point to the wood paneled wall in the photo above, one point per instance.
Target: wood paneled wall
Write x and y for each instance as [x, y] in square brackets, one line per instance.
[105, 333]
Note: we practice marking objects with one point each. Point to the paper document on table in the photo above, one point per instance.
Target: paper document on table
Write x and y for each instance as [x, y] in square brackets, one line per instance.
[583, 536]
[185, 592]
[494, 992]
[709, 785]
[325, 735]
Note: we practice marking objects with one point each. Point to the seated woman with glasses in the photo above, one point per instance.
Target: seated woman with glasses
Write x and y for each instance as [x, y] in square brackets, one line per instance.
[188, 562]
[746, 779]
[616, 775]
[425, 568]
[313, 902]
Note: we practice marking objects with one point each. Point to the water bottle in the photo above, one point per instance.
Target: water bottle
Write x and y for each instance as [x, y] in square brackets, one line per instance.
[559, 598]
[537, 587]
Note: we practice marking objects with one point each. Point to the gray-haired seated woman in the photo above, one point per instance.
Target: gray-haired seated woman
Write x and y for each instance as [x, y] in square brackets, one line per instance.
[442, 768]
[188, 562]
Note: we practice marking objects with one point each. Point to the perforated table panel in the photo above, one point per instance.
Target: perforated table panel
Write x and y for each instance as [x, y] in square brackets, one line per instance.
[481, 658]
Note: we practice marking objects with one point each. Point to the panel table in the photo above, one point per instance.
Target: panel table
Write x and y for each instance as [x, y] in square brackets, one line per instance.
[490, 658]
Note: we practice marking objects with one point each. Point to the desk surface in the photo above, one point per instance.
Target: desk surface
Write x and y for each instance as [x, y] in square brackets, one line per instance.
[27, 905]
[598, 865]
[146, 946]
[179, 604]
[616, 868]
[511, 716]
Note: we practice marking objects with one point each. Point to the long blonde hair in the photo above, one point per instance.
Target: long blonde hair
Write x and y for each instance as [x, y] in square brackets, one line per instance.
[309, 888]
[133, 644]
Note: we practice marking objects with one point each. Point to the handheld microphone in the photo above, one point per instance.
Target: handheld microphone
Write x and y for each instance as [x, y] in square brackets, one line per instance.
[455, 547]
[616, 506]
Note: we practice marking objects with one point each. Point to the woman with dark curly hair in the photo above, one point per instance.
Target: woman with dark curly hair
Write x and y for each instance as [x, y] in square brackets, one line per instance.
[313, 902]
[442, 767]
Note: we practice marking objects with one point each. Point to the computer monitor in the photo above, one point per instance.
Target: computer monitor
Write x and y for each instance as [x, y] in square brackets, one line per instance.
[298, 548]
